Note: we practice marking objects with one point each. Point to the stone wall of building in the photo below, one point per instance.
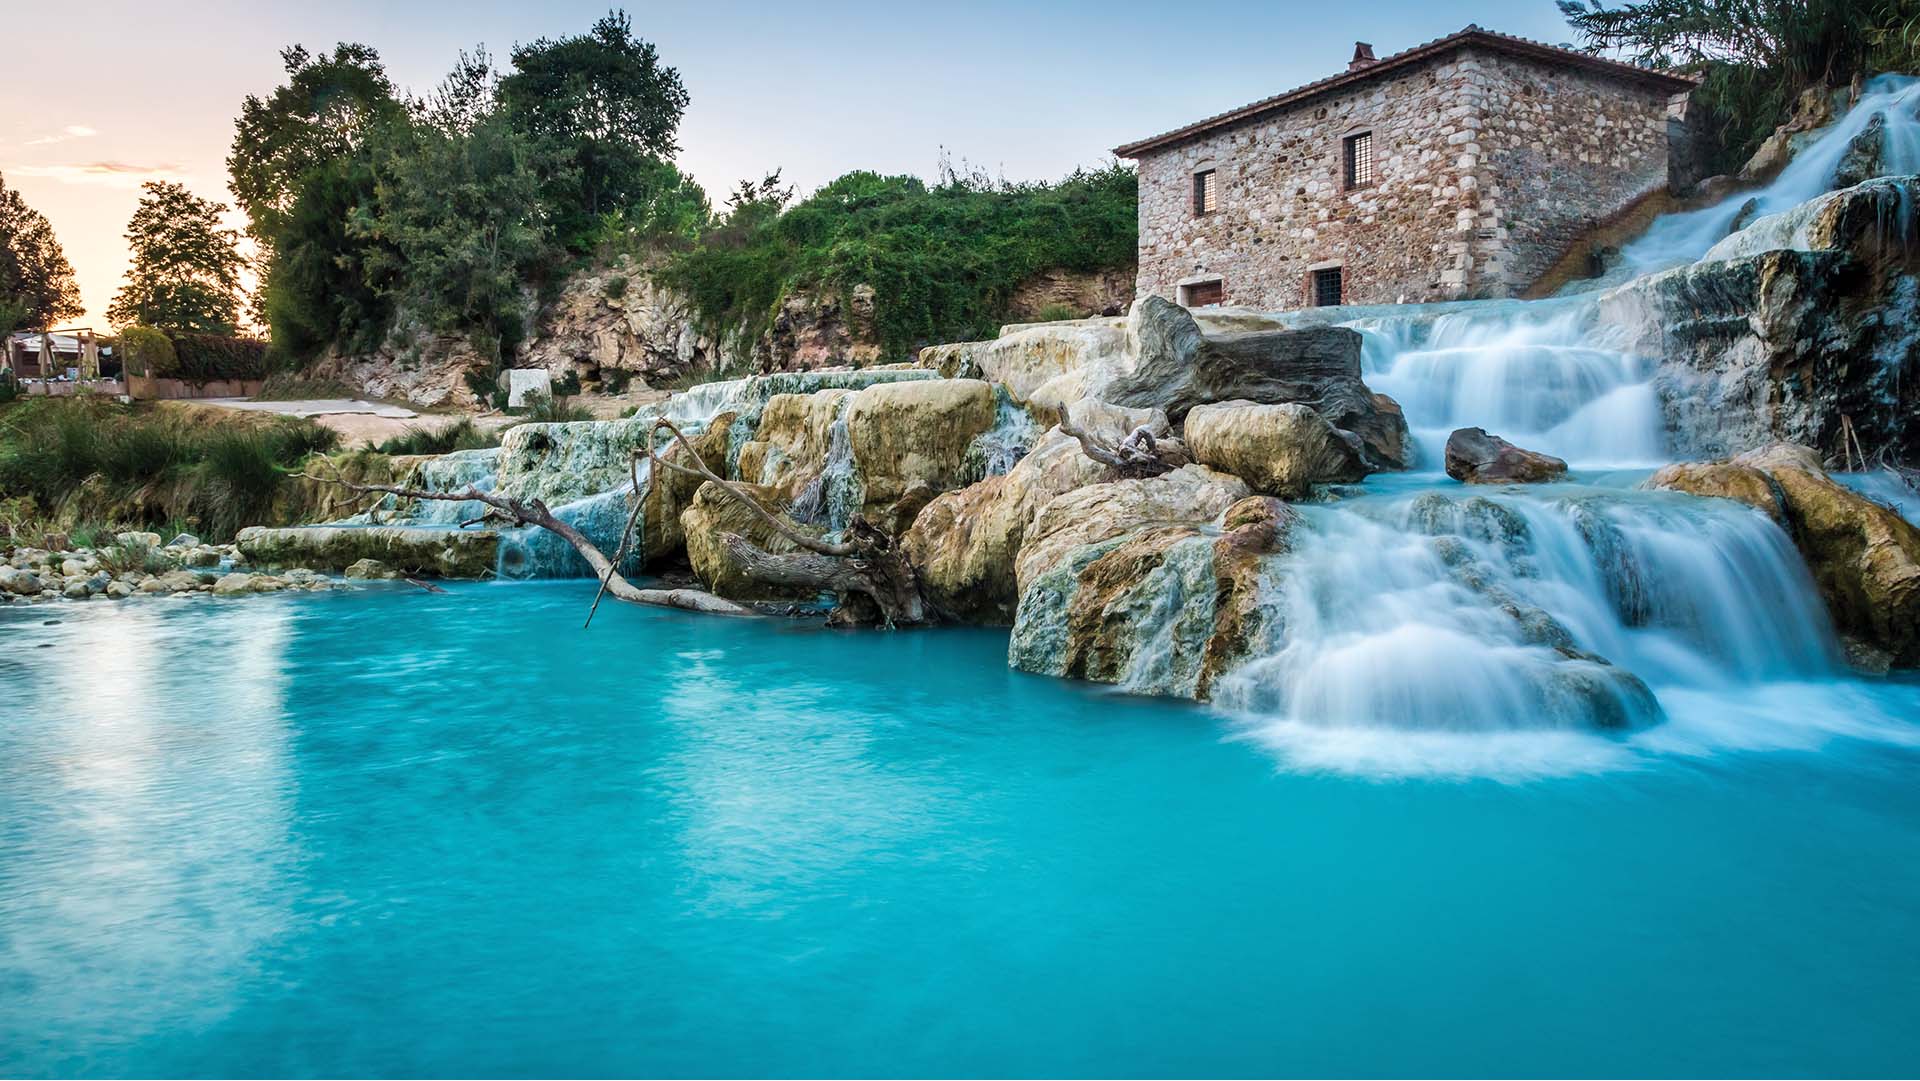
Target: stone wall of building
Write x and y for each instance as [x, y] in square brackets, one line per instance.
[1488, 165]
[1562, 151]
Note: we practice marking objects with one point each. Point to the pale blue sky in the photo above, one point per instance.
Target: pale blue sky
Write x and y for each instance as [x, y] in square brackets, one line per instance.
[1030, 90]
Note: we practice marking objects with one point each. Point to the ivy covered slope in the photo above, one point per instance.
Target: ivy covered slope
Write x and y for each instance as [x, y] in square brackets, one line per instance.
[943, 260]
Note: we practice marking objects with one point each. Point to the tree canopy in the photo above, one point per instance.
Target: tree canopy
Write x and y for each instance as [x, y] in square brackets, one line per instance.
[607, 108]
[1755, 56]
[322, 113]
[186, 266]
[37, 288]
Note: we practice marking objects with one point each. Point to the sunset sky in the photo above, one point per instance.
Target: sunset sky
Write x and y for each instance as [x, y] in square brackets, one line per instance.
[98, 97]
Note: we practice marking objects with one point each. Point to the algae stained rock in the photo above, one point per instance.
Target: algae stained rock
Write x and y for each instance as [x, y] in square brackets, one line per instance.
[439, 553]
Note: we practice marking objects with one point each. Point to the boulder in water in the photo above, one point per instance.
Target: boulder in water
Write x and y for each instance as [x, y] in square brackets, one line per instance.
[965, 543]
[904, 434]
[793, 439]
[1279, 450]
[1861, 160]
[438, 553]
[1191, 495]
[1165, 607]
[713, 513]
[1864, 557]
[1475, 457]
[668, 493]
[1724, 480]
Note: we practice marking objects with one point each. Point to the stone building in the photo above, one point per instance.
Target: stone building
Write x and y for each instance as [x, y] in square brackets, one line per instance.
[1461, 168]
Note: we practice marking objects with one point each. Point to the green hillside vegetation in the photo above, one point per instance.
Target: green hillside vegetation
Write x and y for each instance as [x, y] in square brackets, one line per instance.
[943, 260]
[457, 212]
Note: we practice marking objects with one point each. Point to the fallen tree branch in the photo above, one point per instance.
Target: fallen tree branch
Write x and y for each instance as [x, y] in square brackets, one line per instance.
[534, 512]
[866, 572]
[699, 469]
[1136, 456]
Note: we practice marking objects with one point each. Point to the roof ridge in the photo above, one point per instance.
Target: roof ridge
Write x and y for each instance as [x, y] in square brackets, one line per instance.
[1472, 31]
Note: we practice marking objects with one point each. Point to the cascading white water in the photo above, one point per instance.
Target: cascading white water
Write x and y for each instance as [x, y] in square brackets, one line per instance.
[1678, 239]
[1000, 448]
[1536, 372]
[1449, 611]
[829, 498]
[1423, 626]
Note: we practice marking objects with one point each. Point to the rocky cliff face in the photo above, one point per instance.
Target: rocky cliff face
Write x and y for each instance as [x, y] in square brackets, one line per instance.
[611, 328]
[1794, 328]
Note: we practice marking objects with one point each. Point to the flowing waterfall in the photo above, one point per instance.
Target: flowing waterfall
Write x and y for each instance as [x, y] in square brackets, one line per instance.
[830, 498]
[1678, 239]
[1422, 626]
[1537, 372]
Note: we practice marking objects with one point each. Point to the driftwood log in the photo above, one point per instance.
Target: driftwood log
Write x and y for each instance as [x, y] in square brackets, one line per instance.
[866, 571]
[534, 512]
[1135, 456]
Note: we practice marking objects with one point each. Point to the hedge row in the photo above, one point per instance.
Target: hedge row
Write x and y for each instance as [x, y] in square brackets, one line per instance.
[193, 358]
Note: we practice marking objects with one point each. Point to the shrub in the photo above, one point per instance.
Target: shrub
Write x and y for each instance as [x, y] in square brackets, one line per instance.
[146, 351]
[206, 358]
[1056, 313]
[615, 381]
[546, 409]
[461, 435]
[235, 482]
[126, 558]
[943, 261]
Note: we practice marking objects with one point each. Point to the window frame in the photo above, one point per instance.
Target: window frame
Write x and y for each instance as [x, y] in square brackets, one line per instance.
[1186, 290]
[1315, 277]
[1350, 161]
[1202, 188]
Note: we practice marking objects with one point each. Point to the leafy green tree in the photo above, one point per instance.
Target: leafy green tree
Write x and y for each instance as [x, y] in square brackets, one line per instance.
[460, 227]
[1754, 56]
[463, 99]
[323, 112]
[326, 285]
[37, 288]
[605, 110]
[186, 266]
[674, 211]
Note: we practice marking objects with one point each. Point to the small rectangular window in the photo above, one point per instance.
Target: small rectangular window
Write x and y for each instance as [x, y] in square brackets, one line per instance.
[1206, 193]
[1202, 294]
[1359, 160]
[1326, 287]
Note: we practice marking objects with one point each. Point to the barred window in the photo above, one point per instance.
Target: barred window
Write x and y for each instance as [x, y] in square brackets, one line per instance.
[1326, 287]
[1206, 193]
[1359, 159]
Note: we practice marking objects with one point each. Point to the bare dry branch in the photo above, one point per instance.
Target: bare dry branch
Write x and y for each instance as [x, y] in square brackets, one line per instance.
[699, 469]
[534, 512]
[1136, 456]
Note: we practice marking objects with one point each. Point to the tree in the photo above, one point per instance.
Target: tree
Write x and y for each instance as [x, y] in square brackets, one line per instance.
[323, 285]
[186, 266]
[1755, 56]
[323, 113]
[36, 282]
[463, 99]
[459, 228]
[605, 106]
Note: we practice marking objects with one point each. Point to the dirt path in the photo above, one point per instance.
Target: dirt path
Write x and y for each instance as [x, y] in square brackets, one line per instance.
[357, 421]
